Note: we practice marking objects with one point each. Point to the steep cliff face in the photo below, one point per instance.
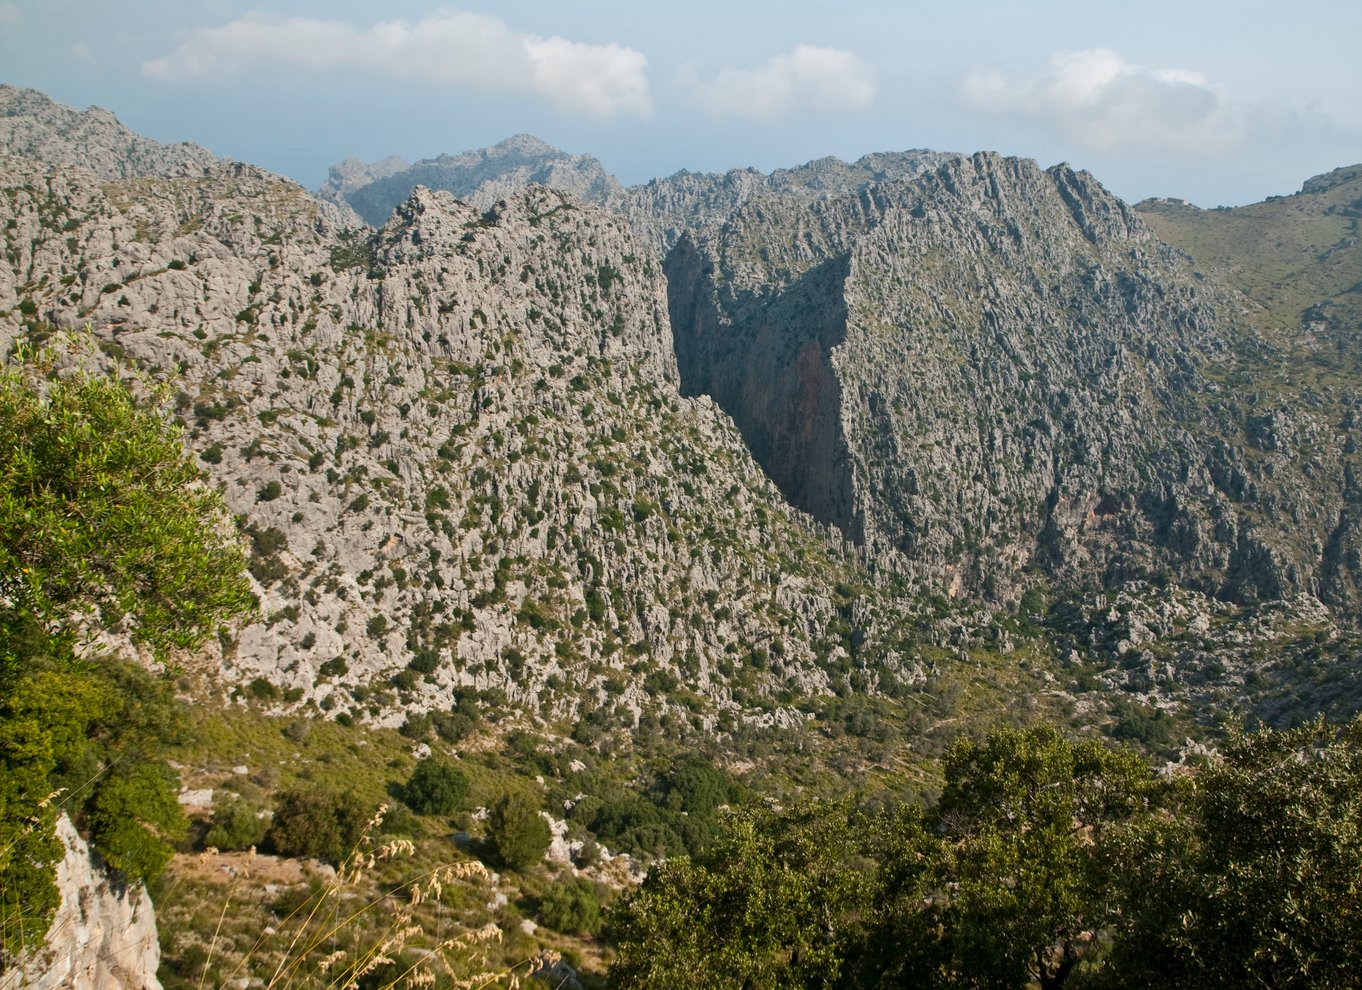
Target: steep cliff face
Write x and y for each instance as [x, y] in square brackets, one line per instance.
[1024, 377]
[776, 379]
[103, 936]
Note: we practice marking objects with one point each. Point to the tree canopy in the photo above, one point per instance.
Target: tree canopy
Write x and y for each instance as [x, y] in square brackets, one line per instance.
[102, 516]
[104, 527]
[1045, 863]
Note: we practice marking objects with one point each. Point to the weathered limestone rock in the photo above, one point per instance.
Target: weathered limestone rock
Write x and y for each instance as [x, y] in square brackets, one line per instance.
[103, 936]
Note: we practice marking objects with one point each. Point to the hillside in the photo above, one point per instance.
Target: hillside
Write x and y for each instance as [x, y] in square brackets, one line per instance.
[1298, 257]
[461, 454]
[726, 488]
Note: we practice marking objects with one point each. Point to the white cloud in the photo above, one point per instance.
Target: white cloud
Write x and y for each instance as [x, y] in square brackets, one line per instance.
[806, 80]
[461, 50]
[1108, 104]
[10, 13]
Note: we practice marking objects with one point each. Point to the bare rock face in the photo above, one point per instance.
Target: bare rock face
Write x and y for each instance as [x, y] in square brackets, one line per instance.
[347, 176]
[478, 177]
[660, 211]
[992, 368]
[103, 936]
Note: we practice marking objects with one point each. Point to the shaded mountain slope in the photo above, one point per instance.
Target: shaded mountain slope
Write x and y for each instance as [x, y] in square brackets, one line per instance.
[1007, 370]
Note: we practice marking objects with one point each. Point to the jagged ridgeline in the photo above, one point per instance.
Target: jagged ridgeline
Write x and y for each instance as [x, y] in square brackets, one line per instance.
[456, 444]
[495, 444]
[994, 369]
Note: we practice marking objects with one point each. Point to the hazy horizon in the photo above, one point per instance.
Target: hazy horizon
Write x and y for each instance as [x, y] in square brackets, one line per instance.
[1222, 105]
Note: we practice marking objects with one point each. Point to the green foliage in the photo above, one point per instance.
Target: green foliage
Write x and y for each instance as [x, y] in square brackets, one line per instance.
[100, 513]
[236, 825]
[572, 905]
[436, 787]
[1255, 881]
[695, 786]
[1001, 885]
[87, 734]
[29, 848]
[1045, 863]
[1023, 817]
[102, 524]
[317, 823]
[765, 907]
[133, 814]
[518, 833]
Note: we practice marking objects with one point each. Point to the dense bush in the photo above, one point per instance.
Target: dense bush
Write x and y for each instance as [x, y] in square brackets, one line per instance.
[572, 905]
[517, 832]
[317, 823]
[1045, 863]
[436, 787]
[694, 785]
[102, 523]
[237, 824]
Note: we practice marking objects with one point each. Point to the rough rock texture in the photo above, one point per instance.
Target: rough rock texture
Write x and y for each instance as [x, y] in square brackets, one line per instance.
[993, 368]
[461, 454]
[457, 445]
[33, 125]
[347, 176]
[479, 177]
[103, 936]
[661, 210]
[664, 210]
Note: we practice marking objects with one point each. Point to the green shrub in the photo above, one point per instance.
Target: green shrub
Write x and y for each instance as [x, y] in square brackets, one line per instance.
[425, 662]
[572, 906]
[132, 815]
[236, 825]
[436, 787]
[317, 823]
[517, 832]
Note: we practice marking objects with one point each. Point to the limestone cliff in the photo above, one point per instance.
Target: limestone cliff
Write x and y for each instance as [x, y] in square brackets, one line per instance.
[994, 368]
[456, 444]
[103, 936]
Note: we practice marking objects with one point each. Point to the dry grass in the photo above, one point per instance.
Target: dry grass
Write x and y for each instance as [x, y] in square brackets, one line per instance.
[371, 923]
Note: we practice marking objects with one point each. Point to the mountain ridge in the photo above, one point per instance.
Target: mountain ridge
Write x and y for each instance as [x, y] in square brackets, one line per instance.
[933, 305]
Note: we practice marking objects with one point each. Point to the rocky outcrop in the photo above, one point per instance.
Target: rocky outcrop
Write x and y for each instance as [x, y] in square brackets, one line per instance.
[478, 177]
[497, 447]
[32, 125]
[103, 936]
[660, 211]
[456, 445]
[345, 177]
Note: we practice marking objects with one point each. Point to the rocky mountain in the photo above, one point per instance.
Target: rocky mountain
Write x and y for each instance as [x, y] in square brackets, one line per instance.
[660, 211]
[814, 469]
[32, 125]
[995, 370]
[480, 177]
[512, 447]
[347, 176]
[456, 445]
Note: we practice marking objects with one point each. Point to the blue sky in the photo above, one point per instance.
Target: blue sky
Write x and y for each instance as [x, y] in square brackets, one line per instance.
[1220, 102]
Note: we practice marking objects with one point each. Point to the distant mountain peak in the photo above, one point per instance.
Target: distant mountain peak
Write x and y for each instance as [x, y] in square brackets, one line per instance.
[526, 144]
